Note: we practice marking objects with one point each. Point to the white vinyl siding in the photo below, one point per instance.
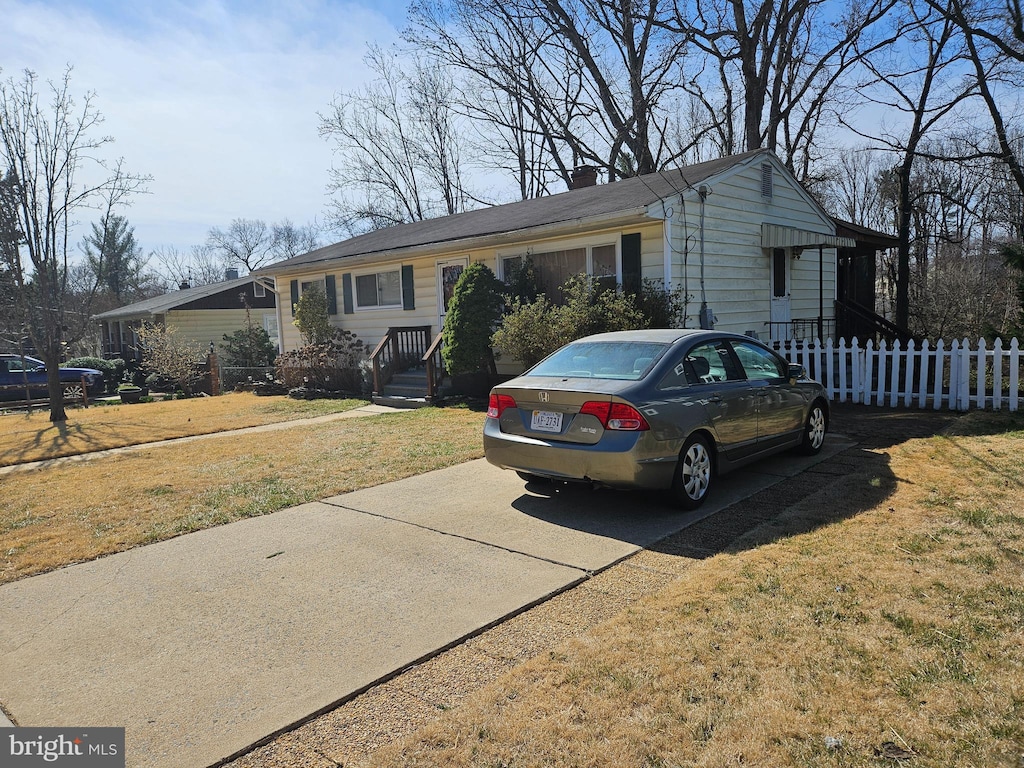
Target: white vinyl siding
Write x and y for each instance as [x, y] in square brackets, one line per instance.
[737, 271]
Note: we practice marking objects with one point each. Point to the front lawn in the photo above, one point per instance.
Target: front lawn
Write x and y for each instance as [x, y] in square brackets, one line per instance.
[82, 510]
[32, 437]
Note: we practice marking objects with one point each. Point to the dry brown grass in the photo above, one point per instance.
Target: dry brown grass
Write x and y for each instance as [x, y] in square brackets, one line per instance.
[31, 436]
[892, 636]
[79, 511]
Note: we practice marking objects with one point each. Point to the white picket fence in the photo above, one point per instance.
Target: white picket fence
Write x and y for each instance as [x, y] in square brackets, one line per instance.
[957, 377]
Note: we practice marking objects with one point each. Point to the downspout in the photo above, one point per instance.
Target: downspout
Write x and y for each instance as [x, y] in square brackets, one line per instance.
[707, 317]
[280, 317]
[669, 214]
[821, 293]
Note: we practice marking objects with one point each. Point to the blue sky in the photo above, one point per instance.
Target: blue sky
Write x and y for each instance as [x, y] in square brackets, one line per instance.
[215, 99]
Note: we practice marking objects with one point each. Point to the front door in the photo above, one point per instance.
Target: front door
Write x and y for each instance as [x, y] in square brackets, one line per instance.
[448, 273]
[781, 315]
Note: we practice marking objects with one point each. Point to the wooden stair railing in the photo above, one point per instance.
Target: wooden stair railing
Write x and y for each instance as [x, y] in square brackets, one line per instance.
[434, 363]
[401, 348]
[857, 320]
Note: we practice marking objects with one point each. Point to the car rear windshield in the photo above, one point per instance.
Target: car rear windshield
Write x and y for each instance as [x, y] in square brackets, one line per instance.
[625, 360]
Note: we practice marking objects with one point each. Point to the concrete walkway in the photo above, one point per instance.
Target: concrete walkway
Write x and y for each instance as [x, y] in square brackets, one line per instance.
[204, 645]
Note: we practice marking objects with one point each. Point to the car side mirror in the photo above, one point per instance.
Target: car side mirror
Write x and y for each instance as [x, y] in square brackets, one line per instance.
[796, 372]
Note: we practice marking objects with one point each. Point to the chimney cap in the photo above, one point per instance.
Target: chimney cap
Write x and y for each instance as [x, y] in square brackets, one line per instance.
[583, 176]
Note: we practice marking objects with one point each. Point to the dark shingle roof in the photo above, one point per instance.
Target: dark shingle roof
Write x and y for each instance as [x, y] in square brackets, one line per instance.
[603, 199]
[168, 301]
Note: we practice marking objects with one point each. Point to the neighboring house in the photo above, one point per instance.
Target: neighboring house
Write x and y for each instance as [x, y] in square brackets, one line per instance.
[739, 235]
[203, 315]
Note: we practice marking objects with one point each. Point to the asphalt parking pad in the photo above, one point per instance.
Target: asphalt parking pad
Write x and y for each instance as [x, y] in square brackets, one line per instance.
[202, 645]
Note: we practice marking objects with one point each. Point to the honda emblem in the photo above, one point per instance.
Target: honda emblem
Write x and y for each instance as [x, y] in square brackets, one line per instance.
[543, 397]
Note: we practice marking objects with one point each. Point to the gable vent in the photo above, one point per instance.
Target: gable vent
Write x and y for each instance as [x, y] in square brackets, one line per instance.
[767, 180]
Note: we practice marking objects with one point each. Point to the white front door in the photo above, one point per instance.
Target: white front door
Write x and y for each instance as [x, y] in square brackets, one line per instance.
[781, 314]
[448, 273]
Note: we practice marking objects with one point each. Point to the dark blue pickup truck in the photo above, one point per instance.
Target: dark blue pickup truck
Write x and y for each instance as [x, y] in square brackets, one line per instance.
[17, 371]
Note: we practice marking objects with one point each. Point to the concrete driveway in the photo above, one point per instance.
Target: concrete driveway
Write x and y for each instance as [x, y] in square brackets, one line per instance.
[203, 645]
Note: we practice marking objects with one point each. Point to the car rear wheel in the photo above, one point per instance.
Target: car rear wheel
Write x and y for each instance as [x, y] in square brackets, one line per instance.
[73, 392]
[694, 473]
[814, 430]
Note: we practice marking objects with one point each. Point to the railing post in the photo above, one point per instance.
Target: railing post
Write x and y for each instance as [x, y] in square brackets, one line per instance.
[376, 375]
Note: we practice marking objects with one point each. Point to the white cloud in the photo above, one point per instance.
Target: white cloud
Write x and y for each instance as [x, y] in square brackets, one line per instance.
[216, 101]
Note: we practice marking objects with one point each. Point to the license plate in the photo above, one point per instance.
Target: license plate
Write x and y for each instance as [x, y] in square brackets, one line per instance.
[546, 421]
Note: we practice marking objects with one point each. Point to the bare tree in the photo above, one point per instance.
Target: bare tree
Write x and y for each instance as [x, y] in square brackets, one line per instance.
[200, 265]
[960, 283]
[246, 242]
[918, 88]
[47, 146]
[397, 148]
[773, 70]
[995, 23]
[994, 37]
[586, 82]
[856, 187]
[288, 240]
[11, 320]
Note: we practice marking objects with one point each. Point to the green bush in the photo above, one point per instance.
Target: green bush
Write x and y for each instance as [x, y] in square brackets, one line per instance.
[311, 317]
[662, 308]
[531, 331]
[248, 348]
[475, 309]
[112, 370]
[521, 281]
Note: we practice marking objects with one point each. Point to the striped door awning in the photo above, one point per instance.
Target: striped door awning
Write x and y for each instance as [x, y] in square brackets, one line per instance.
[778, 236]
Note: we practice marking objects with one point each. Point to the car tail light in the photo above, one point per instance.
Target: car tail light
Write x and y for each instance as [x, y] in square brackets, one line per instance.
[497, 404]
[621, 417]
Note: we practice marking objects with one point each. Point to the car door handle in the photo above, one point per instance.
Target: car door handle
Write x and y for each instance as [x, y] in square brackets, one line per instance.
[715, 397]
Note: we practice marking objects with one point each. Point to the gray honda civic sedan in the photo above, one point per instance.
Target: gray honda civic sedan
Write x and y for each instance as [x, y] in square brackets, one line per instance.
[657, 409]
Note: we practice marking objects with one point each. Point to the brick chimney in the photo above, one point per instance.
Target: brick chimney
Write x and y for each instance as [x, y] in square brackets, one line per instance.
[584, 176]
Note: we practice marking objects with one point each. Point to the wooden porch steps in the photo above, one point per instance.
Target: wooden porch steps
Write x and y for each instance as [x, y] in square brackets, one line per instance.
[407, 389]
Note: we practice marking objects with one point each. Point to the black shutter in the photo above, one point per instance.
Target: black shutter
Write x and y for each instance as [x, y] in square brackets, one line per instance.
[408, 291]
[295, 295]
[332, 295]
[631, 263]
[346, 292]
